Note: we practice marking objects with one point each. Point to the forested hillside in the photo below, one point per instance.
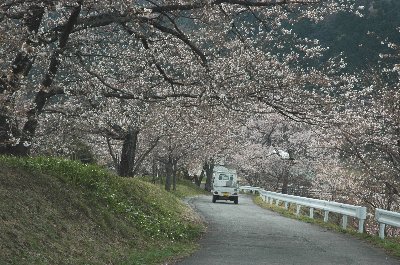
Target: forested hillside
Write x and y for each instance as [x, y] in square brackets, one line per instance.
[358, 38]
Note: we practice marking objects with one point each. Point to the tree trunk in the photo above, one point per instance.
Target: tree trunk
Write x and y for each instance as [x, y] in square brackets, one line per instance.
[169, 172]
[200, 178]
[208, 168]
[285, 182]
[174, 172]
[285, 177]
[128, 152]
[154, 171]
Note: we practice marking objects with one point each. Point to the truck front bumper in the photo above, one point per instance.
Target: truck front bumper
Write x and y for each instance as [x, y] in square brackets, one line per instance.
[225, 196]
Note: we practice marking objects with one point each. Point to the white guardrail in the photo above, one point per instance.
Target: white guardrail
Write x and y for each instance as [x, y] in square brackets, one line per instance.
[249, 188]
[384, 218]
[327, 206]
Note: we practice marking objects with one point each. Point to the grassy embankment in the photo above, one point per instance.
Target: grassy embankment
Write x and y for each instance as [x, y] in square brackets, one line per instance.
[391, 245]
[56, 211]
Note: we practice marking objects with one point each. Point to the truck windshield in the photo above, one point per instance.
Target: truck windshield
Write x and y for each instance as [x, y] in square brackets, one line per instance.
[223, 177]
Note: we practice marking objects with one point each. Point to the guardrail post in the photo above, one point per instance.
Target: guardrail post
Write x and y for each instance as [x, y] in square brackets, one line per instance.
[326, 216]
[286, 205]
[382, 230]
[277, 202]
[271, 200]
[344, 221]
[360, 225]
[361, 215]
[312, 213]
[298, 207]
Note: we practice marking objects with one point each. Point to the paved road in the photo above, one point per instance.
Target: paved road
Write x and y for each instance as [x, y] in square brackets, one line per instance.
[246, 234]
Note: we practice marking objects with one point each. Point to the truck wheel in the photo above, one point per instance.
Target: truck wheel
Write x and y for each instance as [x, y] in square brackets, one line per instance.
[236, 201]
[214, 199]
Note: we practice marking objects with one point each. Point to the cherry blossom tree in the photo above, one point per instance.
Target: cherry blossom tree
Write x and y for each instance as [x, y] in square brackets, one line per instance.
[32, 15]
[277, 153]
[179, 62]
[194, 137]
[369, 132]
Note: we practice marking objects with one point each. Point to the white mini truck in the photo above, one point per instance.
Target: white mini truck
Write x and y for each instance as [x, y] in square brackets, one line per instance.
[224, 185]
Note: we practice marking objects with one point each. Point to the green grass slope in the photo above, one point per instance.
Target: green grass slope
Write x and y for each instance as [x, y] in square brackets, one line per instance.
[56, 211]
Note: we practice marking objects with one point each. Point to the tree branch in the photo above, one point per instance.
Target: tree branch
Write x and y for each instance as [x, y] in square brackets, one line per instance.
[145, 154]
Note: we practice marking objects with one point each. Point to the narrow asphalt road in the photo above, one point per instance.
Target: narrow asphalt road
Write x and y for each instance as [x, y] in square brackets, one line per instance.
[247, 234]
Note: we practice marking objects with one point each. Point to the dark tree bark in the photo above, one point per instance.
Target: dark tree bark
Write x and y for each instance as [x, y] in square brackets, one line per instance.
[285, 183]
[174, 173]
[154, 171]
[199, 179]
[286, 174]
[169, 172]
[128, 153]
[208, 168]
